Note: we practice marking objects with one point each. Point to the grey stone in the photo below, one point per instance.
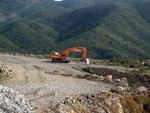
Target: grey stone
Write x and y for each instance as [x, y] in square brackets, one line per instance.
[13, 102]
[142, 89]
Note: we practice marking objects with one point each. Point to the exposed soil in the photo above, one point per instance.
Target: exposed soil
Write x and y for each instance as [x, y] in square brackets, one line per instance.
[139, 78]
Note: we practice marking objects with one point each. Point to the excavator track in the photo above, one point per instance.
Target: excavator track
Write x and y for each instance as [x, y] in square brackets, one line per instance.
[61, 60]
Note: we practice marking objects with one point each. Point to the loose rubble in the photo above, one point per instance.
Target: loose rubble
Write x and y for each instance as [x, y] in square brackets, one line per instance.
[113, 101]
[85, 76]
[13, 102]
[5, 71]
[105, 103]
[57, 72]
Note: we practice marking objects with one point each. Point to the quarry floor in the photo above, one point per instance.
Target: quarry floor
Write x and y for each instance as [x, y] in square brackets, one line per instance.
[44, 89]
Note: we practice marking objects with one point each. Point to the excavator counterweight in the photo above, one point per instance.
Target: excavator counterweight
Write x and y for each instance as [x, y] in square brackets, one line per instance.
[55, 56]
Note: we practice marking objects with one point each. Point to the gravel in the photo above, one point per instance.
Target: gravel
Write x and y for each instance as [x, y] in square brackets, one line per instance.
[13, 102]
[43, 89]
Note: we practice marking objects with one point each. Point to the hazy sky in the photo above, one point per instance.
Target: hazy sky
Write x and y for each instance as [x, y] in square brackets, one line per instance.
[58, 0]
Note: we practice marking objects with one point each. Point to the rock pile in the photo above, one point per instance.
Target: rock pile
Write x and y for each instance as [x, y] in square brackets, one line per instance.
[121, 85]
[4, 70]
[55, 72]
[84, 76]
[13, 102]
[108, 102]
[87, 103]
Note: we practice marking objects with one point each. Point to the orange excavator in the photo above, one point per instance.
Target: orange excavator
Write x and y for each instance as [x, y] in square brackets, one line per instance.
[63, 57]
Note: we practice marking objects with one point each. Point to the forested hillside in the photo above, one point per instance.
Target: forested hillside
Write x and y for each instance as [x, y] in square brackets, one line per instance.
[112, 29]
[119, 28]
[14, 9]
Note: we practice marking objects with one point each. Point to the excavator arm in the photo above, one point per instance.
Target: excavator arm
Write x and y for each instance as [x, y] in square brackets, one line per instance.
[75, 49]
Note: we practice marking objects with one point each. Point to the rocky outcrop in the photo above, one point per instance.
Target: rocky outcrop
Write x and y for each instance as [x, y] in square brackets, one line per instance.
[122, 100]
[136, 104]
[114, 105]
[129, 104]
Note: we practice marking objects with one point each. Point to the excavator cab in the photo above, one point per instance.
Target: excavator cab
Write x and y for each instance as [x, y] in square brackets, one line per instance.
[56, 53]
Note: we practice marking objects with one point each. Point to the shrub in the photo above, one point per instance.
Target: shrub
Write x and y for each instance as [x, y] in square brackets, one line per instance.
[143, 69]
[117, 64]
[113, 59]
[132, 81]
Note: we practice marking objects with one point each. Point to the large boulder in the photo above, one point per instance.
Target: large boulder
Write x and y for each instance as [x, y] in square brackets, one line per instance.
[119, 89]
[123, 82]
[108, 78]
[114, 105]
[141, 89]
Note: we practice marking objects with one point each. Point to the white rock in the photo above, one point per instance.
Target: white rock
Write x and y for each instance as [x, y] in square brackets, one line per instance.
[142, 89]
[119, 89]
[117, 80]
[13, 102]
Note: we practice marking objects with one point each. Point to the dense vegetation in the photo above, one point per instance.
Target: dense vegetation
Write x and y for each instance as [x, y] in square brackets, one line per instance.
[14, 9]
[120, 28]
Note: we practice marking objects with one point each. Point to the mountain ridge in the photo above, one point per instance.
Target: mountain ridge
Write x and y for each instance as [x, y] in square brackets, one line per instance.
[116, 28]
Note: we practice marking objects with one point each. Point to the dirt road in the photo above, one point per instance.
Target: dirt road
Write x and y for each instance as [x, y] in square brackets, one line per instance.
[43, 89]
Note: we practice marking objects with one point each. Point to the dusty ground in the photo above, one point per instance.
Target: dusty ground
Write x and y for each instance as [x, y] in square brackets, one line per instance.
[44, 89]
